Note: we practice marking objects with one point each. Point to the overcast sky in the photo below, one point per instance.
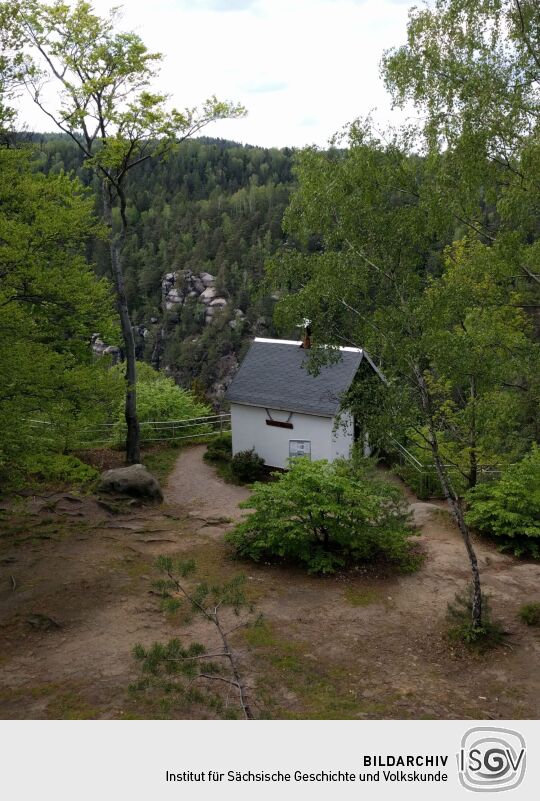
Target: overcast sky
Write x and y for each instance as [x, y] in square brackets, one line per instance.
[303, 68]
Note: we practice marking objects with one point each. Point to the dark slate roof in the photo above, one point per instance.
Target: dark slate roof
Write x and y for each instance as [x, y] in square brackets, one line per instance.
[273, 375]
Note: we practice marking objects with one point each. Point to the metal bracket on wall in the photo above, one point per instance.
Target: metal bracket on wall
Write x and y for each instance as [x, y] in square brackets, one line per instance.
[279, 423]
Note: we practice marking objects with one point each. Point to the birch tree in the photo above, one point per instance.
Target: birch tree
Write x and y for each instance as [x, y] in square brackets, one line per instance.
[106, 104]
[381, 211]
[384, 277]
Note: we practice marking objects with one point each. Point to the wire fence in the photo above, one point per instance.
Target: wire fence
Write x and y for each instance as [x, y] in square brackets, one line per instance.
[420, 475]
[424, 475]
[114, 433]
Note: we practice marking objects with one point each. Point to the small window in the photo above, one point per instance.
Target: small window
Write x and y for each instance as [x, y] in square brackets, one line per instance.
[300, 447]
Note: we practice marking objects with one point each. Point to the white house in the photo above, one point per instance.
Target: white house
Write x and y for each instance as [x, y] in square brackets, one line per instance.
[281, 410]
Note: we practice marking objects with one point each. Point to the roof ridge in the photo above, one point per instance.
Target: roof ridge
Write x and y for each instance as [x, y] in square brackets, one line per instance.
[298, 342]
[278, 341]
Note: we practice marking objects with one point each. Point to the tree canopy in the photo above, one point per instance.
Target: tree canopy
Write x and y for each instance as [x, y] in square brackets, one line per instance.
[50, 303]
[107, 105]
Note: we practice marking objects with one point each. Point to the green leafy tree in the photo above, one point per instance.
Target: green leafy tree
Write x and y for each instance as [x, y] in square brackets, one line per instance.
[50, 303]
[11, 71]
[446, 326]
[509, 509]
[374, 219]
[483, 360]
[325, 517]
[472, 69]
[110, 111]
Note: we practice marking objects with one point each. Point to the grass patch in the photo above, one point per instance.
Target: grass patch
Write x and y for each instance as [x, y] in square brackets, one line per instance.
[224, 471]
[40, 472]
[321, 692]
[64, 704]
[530, 614]
[15, 694]
[361, 596]
[217, 565]
[211, 562]
[132, 565]
[23, 529]
[459, 615]
[161, 460]
[69, 705]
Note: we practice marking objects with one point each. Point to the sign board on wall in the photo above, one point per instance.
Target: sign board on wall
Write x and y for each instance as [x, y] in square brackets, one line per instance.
[300, 447]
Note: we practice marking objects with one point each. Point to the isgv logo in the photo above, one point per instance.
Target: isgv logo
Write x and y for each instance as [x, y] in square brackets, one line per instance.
[491, 759]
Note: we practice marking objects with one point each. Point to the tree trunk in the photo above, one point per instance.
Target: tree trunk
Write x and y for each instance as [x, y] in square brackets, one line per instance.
[456, 508]
[452, 499]
[473, 468]
[326, 538]
[236, 673]
[473, 457]
[133, 453]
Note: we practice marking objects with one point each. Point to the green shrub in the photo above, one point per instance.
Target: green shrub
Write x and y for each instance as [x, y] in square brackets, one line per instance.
[247, 466]
[160, 399]
[57, 467]
[324, 517]
[459, 614]
[219, 448]
[509, 509]
[530, 614]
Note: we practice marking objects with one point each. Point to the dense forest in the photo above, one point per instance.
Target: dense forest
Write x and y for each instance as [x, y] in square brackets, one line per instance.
[212, 207]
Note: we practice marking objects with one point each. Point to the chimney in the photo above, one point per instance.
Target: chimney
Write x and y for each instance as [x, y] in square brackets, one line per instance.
[306, 339]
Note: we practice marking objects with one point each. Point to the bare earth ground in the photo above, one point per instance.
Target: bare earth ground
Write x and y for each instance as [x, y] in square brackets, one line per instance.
[356, 645]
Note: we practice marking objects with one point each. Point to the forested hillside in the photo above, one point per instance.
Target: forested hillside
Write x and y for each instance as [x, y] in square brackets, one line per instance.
[212, 207]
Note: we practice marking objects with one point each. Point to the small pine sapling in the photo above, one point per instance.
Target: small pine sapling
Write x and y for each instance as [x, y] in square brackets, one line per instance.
[174, 667]
[489, 635]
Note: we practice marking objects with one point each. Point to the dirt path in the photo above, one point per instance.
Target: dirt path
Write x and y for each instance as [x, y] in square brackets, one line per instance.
[358, 645]
[195, 485]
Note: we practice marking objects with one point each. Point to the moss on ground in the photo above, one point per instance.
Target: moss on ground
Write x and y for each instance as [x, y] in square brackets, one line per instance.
[316, 688]
[161, 460]
[362, 596]
[61, 703]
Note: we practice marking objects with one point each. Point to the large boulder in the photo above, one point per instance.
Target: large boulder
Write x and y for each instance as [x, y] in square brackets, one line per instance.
[197, 284]
[173, 297]
[208, 295]
[219, 303]
[207, 279]
[134, 480]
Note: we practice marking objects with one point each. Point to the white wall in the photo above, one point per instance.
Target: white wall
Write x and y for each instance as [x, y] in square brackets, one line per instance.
[249, 430]
[343, 436]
